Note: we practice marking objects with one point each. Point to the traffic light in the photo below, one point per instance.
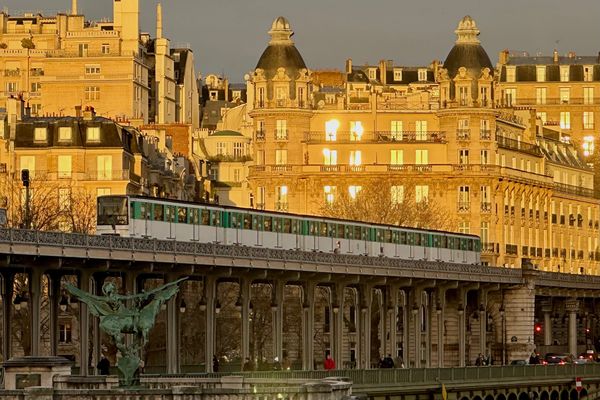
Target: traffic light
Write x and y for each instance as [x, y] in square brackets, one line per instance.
[25, 177]
[538, 328]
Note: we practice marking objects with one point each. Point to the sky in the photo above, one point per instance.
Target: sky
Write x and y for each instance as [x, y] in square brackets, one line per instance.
[228, 36]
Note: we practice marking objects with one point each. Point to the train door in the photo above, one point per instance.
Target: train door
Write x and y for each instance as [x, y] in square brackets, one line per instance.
[257, 223]
[170, 217]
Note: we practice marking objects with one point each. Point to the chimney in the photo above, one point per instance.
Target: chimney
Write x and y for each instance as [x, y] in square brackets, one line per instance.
[89, 113]
[571, 54]
[383, 72]
[159, 25]
[73, 7]
[78, 111]
[503, 57]
[14, 109]
[555, 56]
[349, 66]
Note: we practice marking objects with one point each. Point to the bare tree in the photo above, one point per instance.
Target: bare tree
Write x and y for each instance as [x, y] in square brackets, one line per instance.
[383, 202]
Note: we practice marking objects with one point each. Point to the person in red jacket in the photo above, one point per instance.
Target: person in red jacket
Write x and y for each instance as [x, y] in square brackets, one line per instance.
[329, 363]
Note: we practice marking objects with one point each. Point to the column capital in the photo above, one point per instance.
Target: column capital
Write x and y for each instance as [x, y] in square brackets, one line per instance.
[546, 306]
[572, 305]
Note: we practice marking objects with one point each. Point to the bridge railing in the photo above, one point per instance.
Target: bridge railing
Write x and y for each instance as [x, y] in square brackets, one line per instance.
[401, 376]
[140, 245]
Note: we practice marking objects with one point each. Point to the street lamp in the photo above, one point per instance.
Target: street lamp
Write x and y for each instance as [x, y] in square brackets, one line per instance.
[202, 304]
[182, 306]
[503, 334]
[64, 302]
[218, 307]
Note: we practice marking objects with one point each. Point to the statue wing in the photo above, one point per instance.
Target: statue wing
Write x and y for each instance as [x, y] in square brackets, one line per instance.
[163, 293]
[98, 306]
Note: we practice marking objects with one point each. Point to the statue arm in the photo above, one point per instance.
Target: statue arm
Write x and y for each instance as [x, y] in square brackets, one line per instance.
[98, 306]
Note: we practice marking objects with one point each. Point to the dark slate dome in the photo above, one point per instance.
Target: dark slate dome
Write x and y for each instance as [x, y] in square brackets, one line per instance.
[281, 51]
[467, 52]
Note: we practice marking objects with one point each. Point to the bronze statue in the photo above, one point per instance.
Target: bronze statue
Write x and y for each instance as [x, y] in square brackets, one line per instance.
[127, 314]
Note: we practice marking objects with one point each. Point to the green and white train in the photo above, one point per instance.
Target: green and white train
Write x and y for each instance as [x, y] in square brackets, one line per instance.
[138, 216]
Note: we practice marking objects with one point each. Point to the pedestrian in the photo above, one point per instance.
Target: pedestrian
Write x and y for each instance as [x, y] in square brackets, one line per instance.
[215, 364]
[103, 365]
[276, 364]
[479, 360]
[389, 361]
[329, 363]
[247, 366]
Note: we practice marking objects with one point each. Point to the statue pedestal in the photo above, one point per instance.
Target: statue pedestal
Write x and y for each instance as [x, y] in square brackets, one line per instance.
[24, 372]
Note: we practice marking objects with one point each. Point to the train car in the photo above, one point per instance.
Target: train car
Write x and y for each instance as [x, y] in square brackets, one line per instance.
[145, 217]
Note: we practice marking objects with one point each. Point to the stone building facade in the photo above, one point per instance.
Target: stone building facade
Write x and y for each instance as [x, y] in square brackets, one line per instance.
[436, 133]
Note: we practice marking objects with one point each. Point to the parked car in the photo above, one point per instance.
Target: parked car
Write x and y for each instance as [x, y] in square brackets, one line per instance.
[583, 360]
[519, 362]
[590, 355]
[555, 358]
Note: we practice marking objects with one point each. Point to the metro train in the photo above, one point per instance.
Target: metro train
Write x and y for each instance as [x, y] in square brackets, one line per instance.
[146, 217]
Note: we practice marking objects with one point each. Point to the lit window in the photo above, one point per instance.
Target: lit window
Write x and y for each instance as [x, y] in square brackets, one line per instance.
[105, 48]
[540, 73]
[281, 129]
[421, 130]
[93, 133]
[565, 120]
[510, 74]
[353, 191]
[355, 157]
[463, 197]
[329, 157]
[396, 130]
[422, 157]
[422, 74]
[396, 157]
[281, 157]
[40, 134]
[421, 193]
[565, 95]
[92, 69]
[104, 164]
[64, 133]
[588, 95]
[464, 227]
[64, 166]
[540, 95]
[329, 193]
[397, 74]
[356, 130]
[331, 128]
[588, 120]
[588, 146]
[282, 198]
[397, 194]
[564, 73]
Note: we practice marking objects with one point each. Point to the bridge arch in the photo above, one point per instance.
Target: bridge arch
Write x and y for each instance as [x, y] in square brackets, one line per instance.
[574, 395]
[544, 395]
[464, 398]
[583, 394]
[489, 397]
[554, 395]
[501, 396]
[524, 396]
[476, 397]
[513, 396]
[564, 394]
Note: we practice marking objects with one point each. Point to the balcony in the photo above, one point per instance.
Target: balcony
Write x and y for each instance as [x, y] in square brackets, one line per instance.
[488, 247]
[577, 190]
[281, 206]
[260, 136]
[547, 253]
[512, 144]
[12, 73]
[464, 206]
[281, 134]
[114, 175]
[486, 207]
[580, 254]
[463, 134]
[512, 249]
[556, 101]
[316, 137]
[485, 134]
[282, 168]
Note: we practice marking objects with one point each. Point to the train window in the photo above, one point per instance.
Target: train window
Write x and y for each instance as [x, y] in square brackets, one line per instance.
[341, 231]
[322, 228]
[257, 222]
[379, 235]
[182, 215]
[425, 240]
[435, 241]
[268, 224]
[410, 238]
[247, 221]
[331, 230]
[295, 225]
[287, 225]
[313, 228]
[276, 224]
[159, 212]
[403, 237]
[234, 220]
[348, 232]
[194, 215]
[205, 217]
[470, 243]
[395, 237]
[387, 236]
[215, 218]
[444, 242]
[357, 233]
[364, 233]
[417, 239]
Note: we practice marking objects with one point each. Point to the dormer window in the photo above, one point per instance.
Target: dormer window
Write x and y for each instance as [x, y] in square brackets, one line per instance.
[372, 73]
[510, 74]
[64, 134]
[40, 134]
[422, 74]
[564, 73]
[213, 95]
[540, 73]
[397, 74]
[93, 133]
[588, 73]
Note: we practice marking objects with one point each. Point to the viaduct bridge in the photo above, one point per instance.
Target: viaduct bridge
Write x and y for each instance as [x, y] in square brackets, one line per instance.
[432, 314]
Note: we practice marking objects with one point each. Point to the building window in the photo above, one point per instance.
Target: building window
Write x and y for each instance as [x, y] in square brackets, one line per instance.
[588, 73]
[92, 69]
[421, 193]
[36, 109]
[40, 134]
[486, 204]
[485, 157]
[484, 129]
[103, 192]
[282, 198]
[238, 149]
[36, 87]
[105, 48]
[356, 130]
[510, 95]
[543, 116]
[464, 227]
[588, 120]
[422, 74]
[12, 87]
[396, 130]
[281, 157]
[421, 157]
[64, 166]
[83, 49]
[564, 73]
[329, 192]
[397, 74]
[281, 132]
[104, 164]
[565, 120]
[510, 74]
[64, 198]
[588, 145]
[463, 198]
[260, 201]
[540, 73]
[396, 157]
[331, 128]
[463, 156]
[221, 148]
[92, 93]
[64, 133]
[353, 191]
[64, 329]
[588, 95]
[397, 194]
[236, 175]
[565, 95]
[260, 157]
[421, 130]
[28, 162]
[372, 73]
[329, 157]
[93, 133]
[355, 157]
[540, 95]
